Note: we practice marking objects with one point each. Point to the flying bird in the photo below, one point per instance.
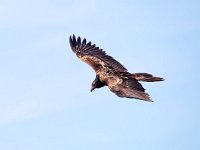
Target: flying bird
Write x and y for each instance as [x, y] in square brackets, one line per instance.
[109, 72]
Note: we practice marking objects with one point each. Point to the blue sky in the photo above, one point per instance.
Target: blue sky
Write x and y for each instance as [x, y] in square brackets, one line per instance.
[45, 99]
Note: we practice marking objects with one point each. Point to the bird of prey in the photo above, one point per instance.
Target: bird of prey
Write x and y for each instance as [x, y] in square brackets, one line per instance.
[109, 72]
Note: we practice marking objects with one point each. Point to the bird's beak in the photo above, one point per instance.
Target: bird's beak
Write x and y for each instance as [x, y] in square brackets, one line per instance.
[92, 89]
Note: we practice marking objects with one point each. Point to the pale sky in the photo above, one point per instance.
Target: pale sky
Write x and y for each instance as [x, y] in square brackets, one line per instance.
[45, 98]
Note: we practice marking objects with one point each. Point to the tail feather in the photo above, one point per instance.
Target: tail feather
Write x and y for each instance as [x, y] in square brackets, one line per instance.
[146, 77]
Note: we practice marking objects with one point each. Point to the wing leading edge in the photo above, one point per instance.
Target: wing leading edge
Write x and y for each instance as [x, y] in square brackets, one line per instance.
[93, 56]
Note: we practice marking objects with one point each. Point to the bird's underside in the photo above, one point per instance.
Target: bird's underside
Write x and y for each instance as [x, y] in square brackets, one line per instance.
[110, 72]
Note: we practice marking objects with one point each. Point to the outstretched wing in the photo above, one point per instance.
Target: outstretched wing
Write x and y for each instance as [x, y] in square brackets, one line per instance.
[92, 55]
[130, 88]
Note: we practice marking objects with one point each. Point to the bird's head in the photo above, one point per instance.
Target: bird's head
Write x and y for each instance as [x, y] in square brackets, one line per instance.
[96, 83]
[93, 86]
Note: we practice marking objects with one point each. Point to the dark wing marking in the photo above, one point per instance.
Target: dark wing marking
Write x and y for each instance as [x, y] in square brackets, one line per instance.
[130, 88]
[94, 56]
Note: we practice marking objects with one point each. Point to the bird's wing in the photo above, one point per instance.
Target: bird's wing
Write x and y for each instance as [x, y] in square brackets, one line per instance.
[129, 88]
[92, 55]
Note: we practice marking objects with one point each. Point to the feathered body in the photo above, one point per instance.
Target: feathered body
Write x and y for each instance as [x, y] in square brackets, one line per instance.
[110, 72]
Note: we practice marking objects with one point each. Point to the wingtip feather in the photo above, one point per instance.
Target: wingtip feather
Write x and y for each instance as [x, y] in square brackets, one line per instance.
[84, 41]
[78, 41]
[73, 42]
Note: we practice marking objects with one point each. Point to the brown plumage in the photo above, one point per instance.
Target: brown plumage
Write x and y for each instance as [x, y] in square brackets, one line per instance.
[109, 72]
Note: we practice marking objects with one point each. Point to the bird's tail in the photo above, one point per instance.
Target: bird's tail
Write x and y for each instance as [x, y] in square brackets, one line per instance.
[146, 77]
